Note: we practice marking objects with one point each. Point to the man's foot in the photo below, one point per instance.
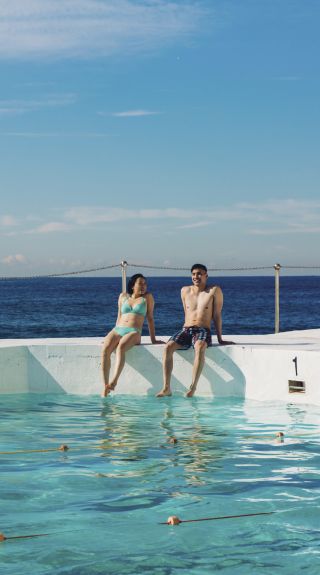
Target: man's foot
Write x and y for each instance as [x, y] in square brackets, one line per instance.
[107, 388]
[164, 393]
[191, 391]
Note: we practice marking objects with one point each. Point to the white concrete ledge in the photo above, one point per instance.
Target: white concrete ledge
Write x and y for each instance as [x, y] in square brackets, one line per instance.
[258, 367]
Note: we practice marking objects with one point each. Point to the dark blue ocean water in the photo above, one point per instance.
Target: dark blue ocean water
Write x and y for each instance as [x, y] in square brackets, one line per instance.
[86, 306]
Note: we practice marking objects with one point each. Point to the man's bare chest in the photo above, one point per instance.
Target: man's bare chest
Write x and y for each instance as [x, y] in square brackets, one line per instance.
[199, 302]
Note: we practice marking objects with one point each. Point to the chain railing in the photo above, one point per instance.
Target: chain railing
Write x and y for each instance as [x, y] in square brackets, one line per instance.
[188, 269]
[124, 266]
[61, 274]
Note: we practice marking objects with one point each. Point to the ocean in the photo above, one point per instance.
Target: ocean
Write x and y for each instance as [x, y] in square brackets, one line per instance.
[87, 306]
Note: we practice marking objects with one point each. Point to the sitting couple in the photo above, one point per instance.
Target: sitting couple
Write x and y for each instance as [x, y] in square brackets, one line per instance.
[201, 303]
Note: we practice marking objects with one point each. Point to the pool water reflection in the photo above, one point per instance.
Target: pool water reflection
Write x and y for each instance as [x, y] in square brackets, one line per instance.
[134, 461]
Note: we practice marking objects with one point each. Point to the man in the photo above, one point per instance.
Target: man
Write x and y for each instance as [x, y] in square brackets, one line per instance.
[201, 304]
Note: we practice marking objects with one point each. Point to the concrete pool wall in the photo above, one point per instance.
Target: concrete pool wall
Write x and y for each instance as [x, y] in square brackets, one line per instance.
[284, 366]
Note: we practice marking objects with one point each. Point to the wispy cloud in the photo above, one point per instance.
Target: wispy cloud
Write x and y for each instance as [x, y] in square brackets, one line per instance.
[288, 214]
[135, 114]
[88, 215]
[84, 28]
[277, 231]
[195, 225]
[17, 107]
[8, 221]
[283, 217]
[50, 227]
[274, 217]
[14, 259]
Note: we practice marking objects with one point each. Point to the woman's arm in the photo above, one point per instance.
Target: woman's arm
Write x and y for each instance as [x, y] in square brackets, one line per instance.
[150, 320]
[119, 307]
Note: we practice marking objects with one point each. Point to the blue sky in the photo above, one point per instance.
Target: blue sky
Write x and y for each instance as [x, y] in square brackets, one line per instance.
[162, 132]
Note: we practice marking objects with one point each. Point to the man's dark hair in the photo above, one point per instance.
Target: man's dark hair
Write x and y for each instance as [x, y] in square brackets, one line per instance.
[199, 267]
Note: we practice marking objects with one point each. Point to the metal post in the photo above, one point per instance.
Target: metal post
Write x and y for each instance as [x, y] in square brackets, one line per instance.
[124, 275]
[277, 268]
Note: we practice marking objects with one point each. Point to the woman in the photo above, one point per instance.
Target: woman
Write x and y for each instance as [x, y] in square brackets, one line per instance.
[133, 307]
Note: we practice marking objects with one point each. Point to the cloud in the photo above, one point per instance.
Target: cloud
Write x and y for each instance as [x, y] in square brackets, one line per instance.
[7, 221]
[135, 114]
[195, 225]
[282, 217]
[285, 231]
[85, 28]
[88, 215]
[17, 107]
[265, 218]
[14, 259]
[51, 227]
[273, 217]
[288, 215]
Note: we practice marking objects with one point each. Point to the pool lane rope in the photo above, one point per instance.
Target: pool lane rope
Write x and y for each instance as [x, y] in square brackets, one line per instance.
[279, 437]
[62, 447]
[174, 520]
[5, 538]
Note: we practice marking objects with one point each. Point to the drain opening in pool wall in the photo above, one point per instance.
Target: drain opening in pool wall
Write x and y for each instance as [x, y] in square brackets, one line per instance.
[296, 386]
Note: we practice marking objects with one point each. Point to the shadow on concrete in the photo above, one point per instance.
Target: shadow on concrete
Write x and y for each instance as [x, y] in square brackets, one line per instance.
[150, 367]
[39, 380]
[223, 374]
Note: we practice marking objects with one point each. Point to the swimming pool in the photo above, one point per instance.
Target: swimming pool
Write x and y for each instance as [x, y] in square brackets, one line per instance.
[102, 501]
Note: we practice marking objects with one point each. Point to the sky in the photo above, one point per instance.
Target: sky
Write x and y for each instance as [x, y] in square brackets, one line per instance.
[161, 132]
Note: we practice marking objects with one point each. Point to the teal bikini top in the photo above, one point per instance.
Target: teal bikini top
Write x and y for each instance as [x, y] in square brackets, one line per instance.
[139, 308]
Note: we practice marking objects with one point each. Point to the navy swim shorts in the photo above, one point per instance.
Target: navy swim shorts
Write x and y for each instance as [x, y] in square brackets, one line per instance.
[188, 336]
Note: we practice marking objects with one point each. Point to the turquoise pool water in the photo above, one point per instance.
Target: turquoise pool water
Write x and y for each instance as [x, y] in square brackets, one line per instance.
[102, 501]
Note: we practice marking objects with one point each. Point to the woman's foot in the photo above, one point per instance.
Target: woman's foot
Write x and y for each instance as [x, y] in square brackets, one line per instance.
[107, 388]
[191, 391]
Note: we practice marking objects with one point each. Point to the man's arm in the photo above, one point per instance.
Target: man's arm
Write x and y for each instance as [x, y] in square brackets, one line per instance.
[183, 299]
[217, 315]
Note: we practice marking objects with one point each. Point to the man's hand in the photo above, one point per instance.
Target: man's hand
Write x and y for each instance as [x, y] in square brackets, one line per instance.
[224, 342]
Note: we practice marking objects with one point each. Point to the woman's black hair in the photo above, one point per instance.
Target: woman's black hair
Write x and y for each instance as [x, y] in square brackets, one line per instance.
[132, 281]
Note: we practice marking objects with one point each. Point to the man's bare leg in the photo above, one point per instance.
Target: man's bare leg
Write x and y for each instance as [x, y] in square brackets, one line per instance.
[167, 364]
[126, 342]
[110, 343]
[199, 357]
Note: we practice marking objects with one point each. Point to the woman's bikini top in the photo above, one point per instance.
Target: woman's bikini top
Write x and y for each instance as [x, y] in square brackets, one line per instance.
[139, 308]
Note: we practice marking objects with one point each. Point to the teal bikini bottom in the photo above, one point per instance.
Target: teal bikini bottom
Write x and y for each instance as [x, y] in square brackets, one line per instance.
[124, 330]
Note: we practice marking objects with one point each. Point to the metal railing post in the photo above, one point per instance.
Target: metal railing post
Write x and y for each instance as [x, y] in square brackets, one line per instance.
[124, 275]
[277, 268]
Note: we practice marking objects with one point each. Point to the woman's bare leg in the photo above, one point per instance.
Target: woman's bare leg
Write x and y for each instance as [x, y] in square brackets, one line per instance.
[109, 345]
[126, 343]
